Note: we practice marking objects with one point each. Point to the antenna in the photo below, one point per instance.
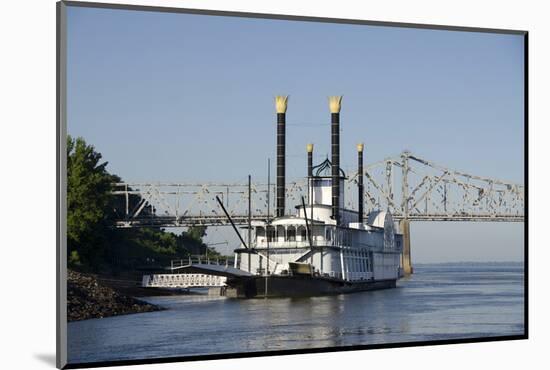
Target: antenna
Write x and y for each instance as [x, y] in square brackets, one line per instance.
[267, 225]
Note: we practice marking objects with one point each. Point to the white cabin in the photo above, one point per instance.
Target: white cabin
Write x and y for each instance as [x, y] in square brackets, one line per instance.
[351, 251]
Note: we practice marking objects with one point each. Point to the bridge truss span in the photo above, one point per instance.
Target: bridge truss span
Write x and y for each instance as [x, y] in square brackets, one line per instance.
[408, 186]
[416, 189]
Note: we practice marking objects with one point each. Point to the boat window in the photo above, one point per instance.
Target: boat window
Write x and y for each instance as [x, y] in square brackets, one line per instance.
[270, 233]
[328, 234]
[302, 233]
[260, 232]
[291, 234]
[280, 233]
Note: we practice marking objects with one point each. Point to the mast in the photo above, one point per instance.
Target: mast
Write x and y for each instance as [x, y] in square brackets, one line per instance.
[267, 225]
[249, 219]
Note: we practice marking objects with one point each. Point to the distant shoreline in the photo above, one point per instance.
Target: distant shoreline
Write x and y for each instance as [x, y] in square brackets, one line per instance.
[478, 263]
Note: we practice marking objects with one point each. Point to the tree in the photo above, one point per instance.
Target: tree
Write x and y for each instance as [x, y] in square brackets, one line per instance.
[93, 243]
[197, 232]
[88, 196]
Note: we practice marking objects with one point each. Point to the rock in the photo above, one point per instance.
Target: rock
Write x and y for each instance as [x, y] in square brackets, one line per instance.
[89, 299]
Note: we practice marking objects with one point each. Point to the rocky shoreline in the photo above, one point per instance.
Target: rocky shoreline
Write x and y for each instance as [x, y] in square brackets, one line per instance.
[89, 298]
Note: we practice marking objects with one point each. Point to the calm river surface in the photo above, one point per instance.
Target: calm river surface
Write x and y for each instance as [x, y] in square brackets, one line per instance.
[437, 302]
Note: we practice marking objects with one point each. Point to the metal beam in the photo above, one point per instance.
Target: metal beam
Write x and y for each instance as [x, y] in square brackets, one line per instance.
[449, 195]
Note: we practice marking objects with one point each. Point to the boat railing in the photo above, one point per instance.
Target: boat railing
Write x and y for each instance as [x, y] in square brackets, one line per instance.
[293, 244]
[205, 260]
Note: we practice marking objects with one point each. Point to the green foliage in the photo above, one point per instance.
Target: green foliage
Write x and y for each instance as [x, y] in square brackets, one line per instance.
[197, 232]
[88, 186]
[192, 239]
[133, 249]
[74, 259]
[212, 253]
[93, 244]
[191, 242]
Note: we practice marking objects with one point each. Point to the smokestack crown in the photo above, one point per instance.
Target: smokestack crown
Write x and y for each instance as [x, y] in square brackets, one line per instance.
[334, 103]
[309, 148]
[280, 103]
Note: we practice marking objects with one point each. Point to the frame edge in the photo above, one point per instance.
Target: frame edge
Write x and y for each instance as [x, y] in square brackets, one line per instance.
[61, 188]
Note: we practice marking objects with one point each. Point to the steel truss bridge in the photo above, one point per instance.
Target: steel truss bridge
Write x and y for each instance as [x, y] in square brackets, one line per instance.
[409, 187]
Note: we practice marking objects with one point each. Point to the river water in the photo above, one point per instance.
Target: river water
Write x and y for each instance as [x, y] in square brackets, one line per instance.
[437, 302]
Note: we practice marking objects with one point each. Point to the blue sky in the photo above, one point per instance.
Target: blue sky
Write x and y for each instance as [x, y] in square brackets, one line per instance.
[177, 97]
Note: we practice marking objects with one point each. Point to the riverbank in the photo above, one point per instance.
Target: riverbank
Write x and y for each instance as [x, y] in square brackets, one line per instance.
[130, 284]
[90, 298]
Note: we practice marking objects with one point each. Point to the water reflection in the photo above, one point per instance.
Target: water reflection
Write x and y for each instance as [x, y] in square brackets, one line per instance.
[435, 303]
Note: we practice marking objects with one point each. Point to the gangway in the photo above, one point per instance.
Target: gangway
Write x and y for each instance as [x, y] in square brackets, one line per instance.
[182, 281]
[193, 272]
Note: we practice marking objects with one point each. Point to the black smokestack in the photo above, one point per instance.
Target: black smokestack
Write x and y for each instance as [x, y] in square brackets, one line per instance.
[309, 148]
[280, 105]
[360, 178]
[334, 105]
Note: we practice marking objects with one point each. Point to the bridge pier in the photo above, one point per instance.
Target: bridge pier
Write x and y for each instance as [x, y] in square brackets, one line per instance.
[405, 227]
